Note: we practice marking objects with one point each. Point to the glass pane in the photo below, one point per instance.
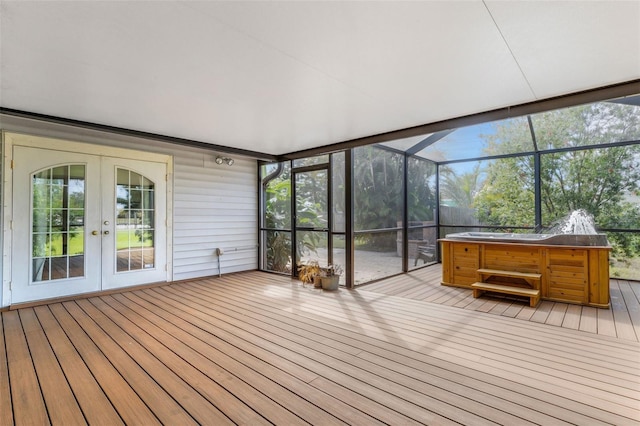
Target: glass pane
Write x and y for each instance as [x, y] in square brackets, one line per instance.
[76, 266]
[76, 172]
[422, 247]
[134, 221]
[56, 244]
[41, 193]
[339, 255]
[122, 177]
[122, 260]
[41, 219]
[58, 222]
[148, 258]
[276, 187]
[135, 198]
[40, 268]
[510, 136]
[406, 143]
[135, 180]
[147, 219]
[604, 182]
[593, 124]
[378, 183]
[277, 255]
[625, 256]
[58, 196]
[135, 238]
[311, 199]
[147, 199]
[311, 161]
[60, 175]
[338, 189]
[122, 238]
[492, 193]
[146, 237]
[135, 260]
[76, 243]
[76, 217]
[312, 246]
[377, 255]
[40, 245]
[59, 268]
[421, 191]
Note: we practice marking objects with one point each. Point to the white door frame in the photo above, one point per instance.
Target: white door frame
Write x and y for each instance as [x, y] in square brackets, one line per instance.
[11, 139]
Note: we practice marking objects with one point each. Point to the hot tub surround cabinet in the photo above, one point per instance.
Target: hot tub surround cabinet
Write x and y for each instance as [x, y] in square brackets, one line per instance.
[572, 274]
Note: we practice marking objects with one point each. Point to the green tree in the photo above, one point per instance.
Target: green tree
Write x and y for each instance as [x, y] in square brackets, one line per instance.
[598, 180]
[378, 177]
[421, 197]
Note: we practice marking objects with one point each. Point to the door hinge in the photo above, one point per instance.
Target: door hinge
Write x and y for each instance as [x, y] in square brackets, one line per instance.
[11, 164]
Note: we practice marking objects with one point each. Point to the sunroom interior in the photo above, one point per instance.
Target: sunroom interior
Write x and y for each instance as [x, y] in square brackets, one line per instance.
[355, 134]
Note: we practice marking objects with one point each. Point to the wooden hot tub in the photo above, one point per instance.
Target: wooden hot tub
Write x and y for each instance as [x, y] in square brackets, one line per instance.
[565, 268]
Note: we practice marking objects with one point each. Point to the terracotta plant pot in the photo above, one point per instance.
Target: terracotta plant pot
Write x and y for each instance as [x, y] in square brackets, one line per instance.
[317, 281]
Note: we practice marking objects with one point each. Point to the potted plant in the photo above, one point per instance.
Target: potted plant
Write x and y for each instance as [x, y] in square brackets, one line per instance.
[331, 278]
[309, 271]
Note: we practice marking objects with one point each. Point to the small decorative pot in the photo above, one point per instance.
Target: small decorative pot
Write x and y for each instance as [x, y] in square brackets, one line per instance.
[317, 281]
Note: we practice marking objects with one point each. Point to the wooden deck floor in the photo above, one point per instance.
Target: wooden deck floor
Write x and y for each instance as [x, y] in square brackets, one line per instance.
[256, 348]
[622, 320]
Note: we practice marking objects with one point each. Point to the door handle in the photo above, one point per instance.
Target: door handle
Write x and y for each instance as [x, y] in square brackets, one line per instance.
[106, 232]
[94, 232]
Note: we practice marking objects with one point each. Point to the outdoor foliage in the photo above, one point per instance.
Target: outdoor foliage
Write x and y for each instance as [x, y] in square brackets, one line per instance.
[378, 176]
[602, 180]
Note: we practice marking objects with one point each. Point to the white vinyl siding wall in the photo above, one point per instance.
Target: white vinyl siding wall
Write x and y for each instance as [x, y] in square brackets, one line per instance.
[215, 206]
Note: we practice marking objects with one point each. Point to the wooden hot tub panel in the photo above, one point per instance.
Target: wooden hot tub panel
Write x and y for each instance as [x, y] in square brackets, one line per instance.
[567, 274]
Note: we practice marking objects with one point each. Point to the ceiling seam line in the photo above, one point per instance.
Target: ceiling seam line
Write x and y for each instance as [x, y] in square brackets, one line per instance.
[504, 39]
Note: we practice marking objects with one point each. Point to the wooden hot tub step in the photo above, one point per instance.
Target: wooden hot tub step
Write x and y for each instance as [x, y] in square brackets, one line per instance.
[514, 274]
[531, 293]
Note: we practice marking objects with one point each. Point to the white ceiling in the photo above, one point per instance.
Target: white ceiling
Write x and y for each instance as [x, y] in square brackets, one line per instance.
[283, 76]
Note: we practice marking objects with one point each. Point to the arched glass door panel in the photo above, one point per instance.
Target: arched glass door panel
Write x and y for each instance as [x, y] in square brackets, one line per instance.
[58, 218]
[135, 212]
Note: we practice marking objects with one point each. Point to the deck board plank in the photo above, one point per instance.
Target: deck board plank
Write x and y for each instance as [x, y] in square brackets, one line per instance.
[260, 347]
[26, 397]
[95, 405]
[267, 396]
[273, 350]
[572, 317]
[606, 323]
[633, 306]
[569, 390]
[6, 411]
[414, 404]
[177, 377]
[463, 352]
[125, 400]
[61, 403]
[621, 314]
[556, 316]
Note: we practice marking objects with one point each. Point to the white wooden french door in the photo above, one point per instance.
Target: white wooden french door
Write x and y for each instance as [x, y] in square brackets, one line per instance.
[84, 223]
